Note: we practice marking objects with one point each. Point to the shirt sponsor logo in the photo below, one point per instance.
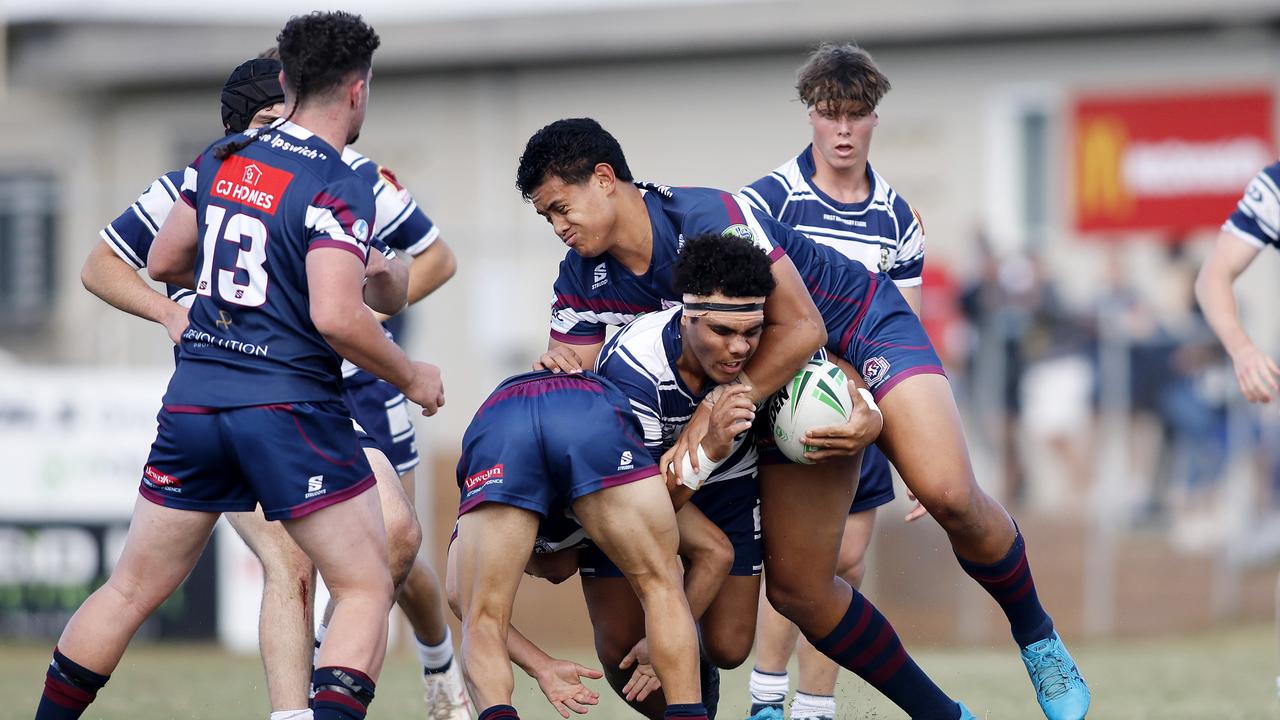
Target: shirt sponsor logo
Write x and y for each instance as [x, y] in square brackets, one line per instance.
[251, 183]
[156, 478]
[844, 221]
[626, 462]
[875, 370]
[200, 338]
[484, 477]
[600, 276]
[280, 143]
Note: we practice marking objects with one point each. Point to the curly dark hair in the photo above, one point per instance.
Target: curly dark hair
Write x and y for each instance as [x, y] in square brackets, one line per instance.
[838, 73]
[727, 264]
[321, 49]
[570, 150]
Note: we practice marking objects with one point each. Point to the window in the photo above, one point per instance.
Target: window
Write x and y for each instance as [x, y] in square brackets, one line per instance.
[28, 249]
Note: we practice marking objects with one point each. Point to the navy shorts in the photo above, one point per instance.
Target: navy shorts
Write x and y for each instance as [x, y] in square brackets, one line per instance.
[875, 484]
[543, 439]
[734, 507]
[383, 412]
[886, 343]
[292, 459]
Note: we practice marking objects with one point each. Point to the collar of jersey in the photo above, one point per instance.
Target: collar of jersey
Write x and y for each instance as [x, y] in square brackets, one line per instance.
[808, 168]
[291, 128]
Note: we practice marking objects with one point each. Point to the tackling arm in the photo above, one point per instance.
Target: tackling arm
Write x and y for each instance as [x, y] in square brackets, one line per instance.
[793, 332]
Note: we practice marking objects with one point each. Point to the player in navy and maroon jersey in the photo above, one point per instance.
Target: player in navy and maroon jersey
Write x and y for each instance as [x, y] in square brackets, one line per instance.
[540, 442]
[252, 97]
[623, 239]
[253, 414]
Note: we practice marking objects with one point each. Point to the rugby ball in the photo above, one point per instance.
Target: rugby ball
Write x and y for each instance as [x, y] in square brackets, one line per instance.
[818, 395]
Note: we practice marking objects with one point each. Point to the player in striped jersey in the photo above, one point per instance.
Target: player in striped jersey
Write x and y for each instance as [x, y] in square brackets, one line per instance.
[666, 363]
[1252, 227]
[623, 236]
[252, 98]
[831, 194]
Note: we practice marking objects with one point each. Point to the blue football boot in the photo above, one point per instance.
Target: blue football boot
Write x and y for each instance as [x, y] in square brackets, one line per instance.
[965, 714]
[1061, 691]
[765, 712]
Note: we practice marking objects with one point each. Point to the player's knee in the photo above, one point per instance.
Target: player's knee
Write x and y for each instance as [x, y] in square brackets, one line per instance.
[956, 508]
[728, 650]
[486, 617]
[404, 537]
[134, 594]
[792, 599]
[286, 566]
[612, 647]
[854, 571]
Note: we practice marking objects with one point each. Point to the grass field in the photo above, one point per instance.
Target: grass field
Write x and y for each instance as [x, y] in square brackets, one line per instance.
[1219, 675]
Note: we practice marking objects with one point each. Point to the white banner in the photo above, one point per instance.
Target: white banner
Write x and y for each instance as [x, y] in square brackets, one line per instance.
[74, 440]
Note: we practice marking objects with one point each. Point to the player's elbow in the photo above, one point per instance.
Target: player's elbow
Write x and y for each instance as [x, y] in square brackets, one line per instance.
[448, 264]
[331, 320]
[810, 334]
[1207, 281]
[162, 269]
[90, 275]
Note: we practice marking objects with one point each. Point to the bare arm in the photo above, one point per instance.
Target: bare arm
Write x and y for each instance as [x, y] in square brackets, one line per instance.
[116, 282]
[563, 357]
[431, 269]
[386, 284]
[1255, 372]
[339, 314]
[912, 296]
[793, 332]
[173, 254]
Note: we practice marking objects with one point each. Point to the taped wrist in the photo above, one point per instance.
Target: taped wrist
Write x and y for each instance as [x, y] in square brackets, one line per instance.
[693, 480]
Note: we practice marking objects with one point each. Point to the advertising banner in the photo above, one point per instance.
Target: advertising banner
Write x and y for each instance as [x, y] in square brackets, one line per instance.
[1172, 163]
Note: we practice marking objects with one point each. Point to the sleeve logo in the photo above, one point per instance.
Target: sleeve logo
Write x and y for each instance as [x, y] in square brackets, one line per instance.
[739, 231]
[360, 230]
[251, 183]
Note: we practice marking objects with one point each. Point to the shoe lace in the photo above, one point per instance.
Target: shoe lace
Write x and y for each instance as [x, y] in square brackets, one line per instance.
[1055, 675]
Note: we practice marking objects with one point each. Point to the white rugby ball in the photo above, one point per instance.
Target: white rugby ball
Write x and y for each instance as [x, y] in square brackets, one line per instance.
[818, 395]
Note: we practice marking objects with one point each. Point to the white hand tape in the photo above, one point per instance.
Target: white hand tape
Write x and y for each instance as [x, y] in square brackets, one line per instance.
[706, 466]
[871, 401]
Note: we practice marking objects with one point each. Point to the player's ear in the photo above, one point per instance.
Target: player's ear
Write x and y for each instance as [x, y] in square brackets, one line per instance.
[605, 177]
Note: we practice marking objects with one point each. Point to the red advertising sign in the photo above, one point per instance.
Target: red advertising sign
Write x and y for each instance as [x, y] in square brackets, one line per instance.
[1166, 162]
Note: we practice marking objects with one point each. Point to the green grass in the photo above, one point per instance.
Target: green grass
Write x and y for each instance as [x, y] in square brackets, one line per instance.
[1218, 675]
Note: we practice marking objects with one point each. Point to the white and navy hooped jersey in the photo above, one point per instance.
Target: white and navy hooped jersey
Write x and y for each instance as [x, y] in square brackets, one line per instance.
[592, 293]
[641, 360]
[399, 223]
[883, 232]
[131, 234]
[1256, 219]
[250, 340]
